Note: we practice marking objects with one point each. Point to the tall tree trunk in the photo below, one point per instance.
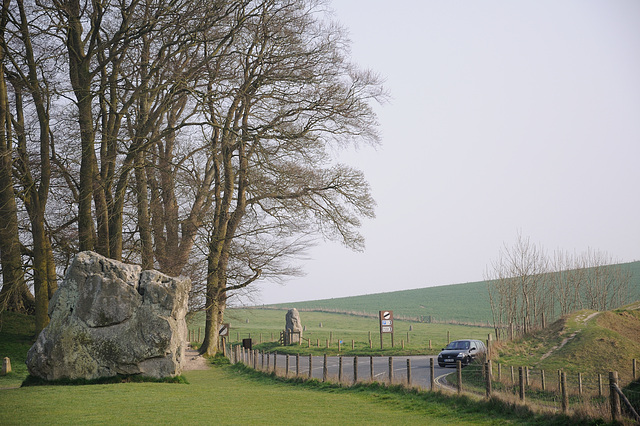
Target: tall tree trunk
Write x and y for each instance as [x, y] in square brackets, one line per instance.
[144, 227]
[15, 294]
[80, 77]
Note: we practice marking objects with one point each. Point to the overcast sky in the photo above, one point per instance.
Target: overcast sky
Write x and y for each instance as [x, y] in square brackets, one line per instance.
[505, 117]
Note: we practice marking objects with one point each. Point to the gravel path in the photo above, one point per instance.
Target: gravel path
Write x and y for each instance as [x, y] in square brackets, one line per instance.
[194, 361]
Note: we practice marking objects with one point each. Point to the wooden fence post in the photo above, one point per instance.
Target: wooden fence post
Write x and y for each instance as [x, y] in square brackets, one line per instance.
[634, 363]
[353, 344]
[325, 371]
[521, 382]
[580, 384]
[613, 396]
[408, 372]
[599, 385]
[355, 369]
[487, 367]
[543, 382]
[513, 380]
[340, 369]
[297, 365]
[390, 370]
[339, 345]
[371, 367]
[432, 369]
[526, 376]
[448, 337]
[565, 394]
[286, 368]
[459, 376]
[499, 372]
[310, 366]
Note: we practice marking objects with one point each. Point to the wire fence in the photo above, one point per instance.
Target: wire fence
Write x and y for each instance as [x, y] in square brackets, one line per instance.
[559, 391]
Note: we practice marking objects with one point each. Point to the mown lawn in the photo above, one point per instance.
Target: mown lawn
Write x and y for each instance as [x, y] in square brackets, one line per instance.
[216, 396]
[228, 395]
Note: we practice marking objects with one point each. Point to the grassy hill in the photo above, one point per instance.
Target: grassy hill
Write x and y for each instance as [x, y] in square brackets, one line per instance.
[588, 342]
[465, 303]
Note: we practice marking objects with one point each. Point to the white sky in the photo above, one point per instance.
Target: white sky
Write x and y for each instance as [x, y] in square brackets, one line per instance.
[505, 116]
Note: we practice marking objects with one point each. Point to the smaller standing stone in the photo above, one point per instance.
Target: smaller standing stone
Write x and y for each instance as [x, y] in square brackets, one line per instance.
[6, 366]
[293, 327]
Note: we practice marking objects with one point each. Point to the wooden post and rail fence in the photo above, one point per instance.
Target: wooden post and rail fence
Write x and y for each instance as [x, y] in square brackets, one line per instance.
[621, 404]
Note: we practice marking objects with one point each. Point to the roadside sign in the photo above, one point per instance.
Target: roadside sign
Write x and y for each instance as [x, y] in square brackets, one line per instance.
[386, 325]
[224, 330]
[386, 321]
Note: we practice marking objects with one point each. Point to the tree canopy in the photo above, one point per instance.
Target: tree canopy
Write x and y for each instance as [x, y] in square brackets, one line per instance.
[194, 137]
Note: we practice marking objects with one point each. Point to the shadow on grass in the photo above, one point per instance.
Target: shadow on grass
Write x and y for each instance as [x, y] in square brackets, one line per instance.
[134, 378]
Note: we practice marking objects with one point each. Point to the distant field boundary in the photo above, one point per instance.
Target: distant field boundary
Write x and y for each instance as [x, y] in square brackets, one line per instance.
[427, 319]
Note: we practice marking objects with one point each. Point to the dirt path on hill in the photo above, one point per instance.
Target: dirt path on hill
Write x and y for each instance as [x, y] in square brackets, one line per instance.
[574, 334]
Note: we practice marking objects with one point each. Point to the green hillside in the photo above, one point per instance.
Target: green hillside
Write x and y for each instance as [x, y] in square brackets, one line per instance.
[460, 302]
[466, 303]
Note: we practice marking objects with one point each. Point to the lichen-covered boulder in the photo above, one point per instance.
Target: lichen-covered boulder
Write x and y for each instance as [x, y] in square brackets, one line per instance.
[110, 318]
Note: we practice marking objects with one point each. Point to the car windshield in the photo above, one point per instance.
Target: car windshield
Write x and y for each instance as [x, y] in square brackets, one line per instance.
[458, 345]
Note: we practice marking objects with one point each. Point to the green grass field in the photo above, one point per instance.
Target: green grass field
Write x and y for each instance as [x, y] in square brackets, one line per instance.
[227, 395]
[466, 303]
[264, 326]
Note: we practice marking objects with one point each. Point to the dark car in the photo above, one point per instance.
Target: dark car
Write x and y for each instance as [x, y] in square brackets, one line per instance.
[465, 351]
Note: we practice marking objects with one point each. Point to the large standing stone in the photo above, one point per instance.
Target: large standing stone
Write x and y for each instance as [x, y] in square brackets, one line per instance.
[110, 318]
[293, 327]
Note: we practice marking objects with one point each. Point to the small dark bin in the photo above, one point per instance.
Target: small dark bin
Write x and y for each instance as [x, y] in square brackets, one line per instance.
[246, 344]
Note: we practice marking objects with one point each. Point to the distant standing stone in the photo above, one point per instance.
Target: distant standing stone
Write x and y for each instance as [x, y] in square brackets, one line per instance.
[293, 327]
[293, 322]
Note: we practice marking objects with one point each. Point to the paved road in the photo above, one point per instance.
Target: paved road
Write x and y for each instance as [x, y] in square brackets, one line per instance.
[420, 368]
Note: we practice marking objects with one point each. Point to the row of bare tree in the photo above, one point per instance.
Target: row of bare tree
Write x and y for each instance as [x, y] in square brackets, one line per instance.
[527, 287]
[193, 136]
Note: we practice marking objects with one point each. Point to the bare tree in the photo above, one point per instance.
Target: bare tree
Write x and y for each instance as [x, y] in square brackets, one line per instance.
[14, 294]
[524, 287]
[293, 93]
[518, 281]
[605, 284]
